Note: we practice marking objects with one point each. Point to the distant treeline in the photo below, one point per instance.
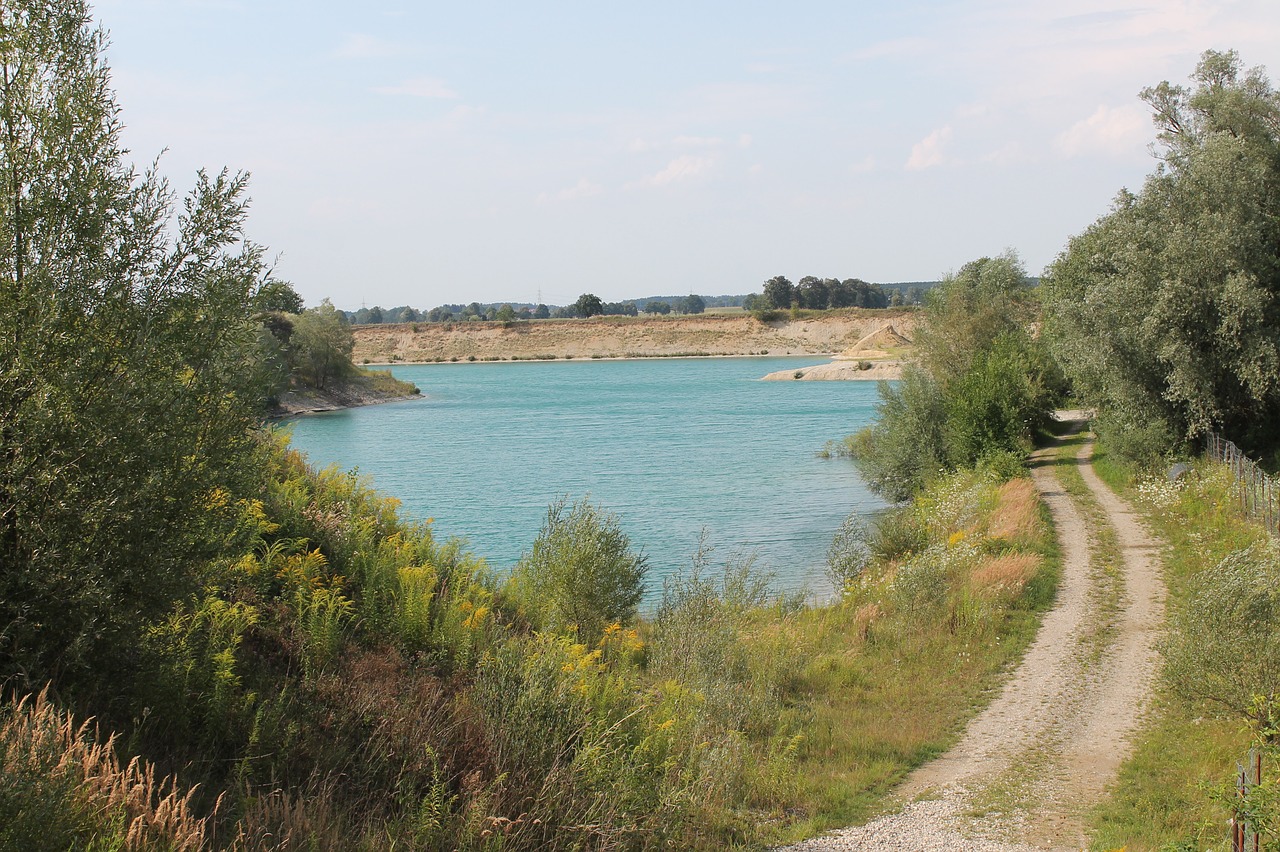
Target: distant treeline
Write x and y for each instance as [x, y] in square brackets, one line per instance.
[809, 292]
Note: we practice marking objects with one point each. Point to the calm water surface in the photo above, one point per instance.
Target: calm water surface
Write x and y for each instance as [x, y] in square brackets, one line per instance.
[672, 446]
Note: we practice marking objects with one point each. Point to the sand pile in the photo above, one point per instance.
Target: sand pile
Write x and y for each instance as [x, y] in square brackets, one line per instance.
[877, 344]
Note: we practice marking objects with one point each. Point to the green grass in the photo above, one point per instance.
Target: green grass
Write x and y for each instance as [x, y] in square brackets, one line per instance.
[1185, 754]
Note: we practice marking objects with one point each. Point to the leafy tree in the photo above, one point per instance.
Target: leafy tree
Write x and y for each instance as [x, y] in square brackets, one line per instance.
[541, 311]
[906, 445]
[506, 313]
[657, 306]
[778, 292]
[322, 344]
[988, 297]
[621, 309]
[982, 388]
[277, 296]
[128, 363]
[692, 304]
[589, 305]
[1164, 313]
[582, 573]
[812, 293]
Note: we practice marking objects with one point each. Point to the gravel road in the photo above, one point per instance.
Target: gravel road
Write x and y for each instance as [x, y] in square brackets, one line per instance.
[1028, 767]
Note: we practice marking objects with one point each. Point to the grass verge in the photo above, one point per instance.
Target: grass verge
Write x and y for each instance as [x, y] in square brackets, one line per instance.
[1166, 795]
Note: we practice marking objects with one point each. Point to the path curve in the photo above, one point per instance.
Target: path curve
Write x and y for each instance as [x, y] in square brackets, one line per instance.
[1029, 766]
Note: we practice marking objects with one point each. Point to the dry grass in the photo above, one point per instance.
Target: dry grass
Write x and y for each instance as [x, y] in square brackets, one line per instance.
[1017, 517]
[1008, 573]
[67, 776]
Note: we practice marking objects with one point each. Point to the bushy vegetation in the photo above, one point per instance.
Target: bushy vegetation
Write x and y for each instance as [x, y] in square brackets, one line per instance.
[1164, 313]
[983, 388]
[343, 679]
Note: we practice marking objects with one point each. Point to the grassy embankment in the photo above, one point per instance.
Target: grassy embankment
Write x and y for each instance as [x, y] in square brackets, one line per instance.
[345, 680]
[1172, 793]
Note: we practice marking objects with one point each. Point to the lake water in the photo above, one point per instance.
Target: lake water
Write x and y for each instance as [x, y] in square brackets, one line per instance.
[672, 446]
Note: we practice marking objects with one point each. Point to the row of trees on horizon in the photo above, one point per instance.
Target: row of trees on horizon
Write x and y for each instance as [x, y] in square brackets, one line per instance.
[778, 293]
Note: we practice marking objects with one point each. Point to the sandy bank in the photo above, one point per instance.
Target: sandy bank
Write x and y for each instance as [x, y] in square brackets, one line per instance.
[620, 337]
[841, 370]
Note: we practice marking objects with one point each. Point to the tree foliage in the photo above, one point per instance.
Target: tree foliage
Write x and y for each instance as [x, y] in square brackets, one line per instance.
[588, 305]
[1164, 312]
[322, 344]
[779, 292]
[692, 304]
[983, 387]
[128, 369]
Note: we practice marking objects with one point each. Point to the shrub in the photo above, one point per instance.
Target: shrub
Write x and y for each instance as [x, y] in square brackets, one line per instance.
[1224, 646]
[849, 553]
[581, 574]
[897, 533]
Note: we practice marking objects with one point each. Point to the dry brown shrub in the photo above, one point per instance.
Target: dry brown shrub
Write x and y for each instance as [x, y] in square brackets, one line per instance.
[41, 740]
[1016, 517]
[1005, 573]
[867, 615]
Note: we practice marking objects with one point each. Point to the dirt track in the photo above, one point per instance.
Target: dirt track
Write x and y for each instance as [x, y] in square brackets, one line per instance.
[1028, 767]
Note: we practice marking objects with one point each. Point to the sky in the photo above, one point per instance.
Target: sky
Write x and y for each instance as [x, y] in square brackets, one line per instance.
[426, 153]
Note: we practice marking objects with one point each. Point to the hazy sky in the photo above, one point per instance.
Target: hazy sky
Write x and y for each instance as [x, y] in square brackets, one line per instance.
[431, 152]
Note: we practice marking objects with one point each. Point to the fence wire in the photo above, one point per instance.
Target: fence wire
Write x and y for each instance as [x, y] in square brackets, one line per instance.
[1259, 493]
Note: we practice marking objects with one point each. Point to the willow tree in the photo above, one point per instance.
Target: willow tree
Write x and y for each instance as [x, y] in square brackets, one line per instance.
[1164, 312]
[127, 387]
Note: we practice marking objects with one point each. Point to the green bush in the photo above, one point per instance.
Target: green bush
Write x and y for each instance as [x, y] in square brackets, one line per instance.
[897, 533]
[581, 574]
[1224, 646]
[849, 553]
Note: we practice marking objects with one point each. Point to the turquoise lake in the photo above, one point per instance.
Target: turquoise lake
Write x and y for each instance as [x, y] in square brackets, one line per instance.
[673, 446]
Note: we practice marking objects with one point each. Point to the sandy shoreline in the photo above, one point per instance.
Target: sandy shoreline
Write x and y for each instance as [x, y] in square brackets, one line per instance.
[841, 370]
[618, 338]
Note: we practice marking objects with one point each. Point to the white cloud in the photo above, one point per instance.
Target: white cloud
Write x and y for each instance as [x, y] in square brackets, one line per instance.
[582, 189]
[866, 164]
[361, 46]
[420, 87]
[928, 152]
[1108, 131]
[697, 141]
[678, 170]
